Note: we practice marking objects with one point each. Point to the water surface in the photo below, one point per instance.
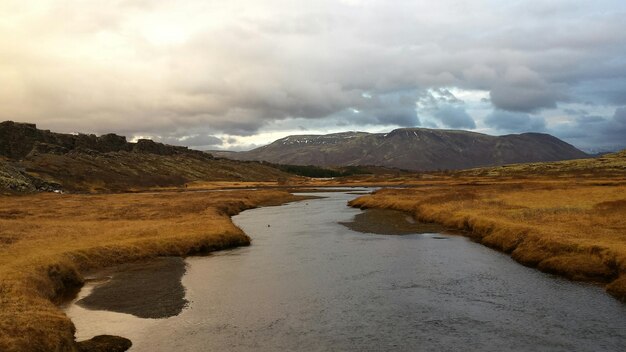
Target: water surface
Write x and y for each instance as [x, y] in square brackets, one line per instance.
[309, 283]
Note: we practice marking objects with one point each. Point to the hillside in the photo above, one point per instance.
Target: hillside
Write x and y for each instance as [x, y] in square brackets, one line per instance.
[607, 165]
[39, 160]
[413, 149]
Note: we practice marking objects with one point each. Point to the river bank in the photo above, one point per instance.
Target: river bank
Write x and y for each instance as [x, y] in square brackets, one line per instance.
[327, 277]
[48, 242]
[561, 226]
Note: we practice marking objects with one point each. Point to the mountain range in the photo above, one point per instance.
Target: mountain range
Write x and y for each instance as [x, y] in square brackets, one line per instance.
[417, 149]
[32, 159]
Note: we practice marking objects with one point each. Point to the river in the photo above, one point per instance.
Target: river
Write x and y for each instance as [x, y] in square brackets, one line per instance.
[312, 282]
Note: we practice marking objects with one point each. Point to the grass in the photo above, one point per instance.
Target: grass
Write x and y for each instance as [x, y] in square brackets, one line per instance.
[48, 240]
[610, 165]
[566, 218]
[123, 171]
[574, 228]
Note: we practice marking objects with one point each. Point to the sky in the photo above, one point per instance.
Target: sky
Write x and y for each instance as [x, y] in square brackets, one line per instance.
[241, 73]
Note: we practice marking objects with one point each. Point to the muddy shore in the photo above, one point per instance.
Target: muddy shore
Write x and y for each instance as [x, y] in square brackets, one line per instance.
[390, 222]
[150, 289]
[576, 231]
[49, 241]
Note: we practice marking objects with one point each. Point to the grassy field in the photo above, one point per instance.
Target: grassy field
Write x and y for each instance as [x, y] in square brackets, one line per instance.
[567, 225]
[565, 218]
[48, 240]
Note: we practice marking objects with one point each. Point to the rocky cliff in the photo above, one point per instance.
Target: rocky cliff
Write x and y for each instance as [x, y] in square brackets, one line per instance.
[19, 140]
[39, 160]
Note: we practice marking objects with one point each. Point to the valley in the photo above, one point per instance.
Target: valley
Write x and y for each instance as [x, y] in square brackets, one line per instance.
[77, 210]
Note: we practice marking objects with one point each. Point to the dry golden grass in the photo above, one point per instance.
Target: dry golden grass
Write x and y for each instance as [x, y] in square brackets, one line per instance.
[610, 168]
[575, 228]
[610, 165]
[571, 223]
[48, 240]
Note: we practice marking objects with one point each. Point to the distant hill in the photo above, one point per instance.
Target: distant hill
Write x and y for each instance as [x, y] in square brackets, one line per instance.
[413, 149]
[39, 160]
[607, 165]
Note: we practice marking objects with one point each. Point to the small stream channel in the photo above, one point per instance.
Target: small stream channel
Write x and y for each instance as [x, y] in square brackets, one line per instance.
[315, 279]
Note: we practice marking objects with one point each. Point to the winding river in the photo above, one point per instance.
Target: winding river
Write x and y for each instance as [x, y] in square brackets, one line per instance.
[314, 279]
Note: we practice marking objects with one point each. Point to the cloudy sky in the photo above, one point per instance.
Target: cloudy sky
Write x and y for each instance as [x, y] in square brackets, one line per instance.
[242, 73]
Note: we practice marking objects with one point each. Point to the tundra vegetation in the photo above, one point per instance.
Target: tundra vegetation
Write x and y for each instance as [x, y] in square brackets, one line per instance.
[565, 218]
[562, 217]
[49, 241]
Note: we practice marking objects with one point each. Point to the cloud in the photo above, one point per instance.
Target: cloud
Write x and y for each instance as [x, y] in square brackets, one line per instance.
[193, 141]
[605, 90]
[576, 112]
[523, 90]
[386, 109]
[593, 132]
[517, 122]
[200, 140]
[455, 117]
[155, 67]
[620, 116]
[444, 108]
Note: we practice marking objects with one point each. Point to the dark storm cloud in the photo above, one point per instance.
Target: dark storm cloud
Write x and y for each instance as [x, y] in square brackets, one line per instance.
[387, 109]
[595, 133]
[455, 117]
[523, 90]
[515, 122]
[522, 98]
[620, 116]
[156, 67]
[611, 91]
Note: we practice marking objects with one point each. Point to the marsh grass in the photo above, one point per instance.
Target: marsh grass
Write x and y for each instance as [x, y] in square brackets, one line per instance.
[570, 228]
[47, 241]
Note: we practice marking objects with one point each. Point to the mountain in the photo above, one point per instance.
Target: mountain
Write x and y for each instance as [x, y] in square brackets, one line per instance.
[413, 149]
[32, 159]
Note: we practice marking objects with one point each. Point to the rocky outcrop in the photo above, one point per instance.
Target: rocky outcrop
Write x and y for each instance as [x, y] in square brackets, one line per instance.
[15, 179]
[33, 160]
[149, 146]
[19, 140]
